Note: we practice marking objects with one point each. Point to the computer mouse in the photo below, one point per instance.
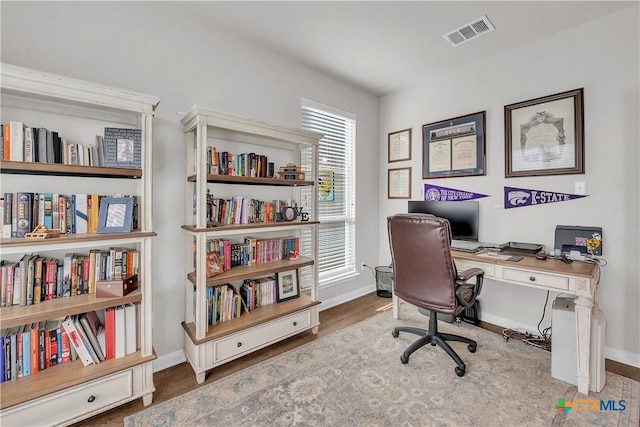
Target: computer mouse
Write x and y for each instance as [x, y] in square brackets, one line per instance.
[541, 255]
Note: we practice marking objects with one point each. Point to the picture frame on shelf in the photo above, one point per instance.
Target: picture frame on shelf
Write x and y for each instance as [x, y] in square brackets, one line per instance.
[399, 146]
[122, 148]
[399, 183]
[545, 136]
[115, 215]
[454, 147]
[288, 286]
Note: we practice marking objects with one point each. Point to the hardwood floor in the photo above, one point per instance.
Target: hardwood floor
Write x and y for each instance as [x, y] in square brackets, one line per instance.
[180, 379]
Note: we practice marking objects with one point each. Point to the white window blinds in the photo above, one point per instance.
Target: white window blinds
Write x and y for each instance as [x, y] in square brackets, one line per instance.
[336, 189]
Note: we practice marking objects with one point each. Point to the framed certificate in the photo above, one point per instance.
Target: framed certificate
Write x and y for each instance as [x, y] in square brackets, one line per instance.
[399, 183]
[454, 147]
[399, 146]
[544, 136]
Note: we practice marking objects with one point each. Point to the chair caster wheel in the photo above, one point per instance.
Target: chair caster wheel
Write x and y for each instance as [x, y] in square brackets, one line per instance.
[472, 348]
[395, 333]
[459, 372]
[506, 338]
[404, 359]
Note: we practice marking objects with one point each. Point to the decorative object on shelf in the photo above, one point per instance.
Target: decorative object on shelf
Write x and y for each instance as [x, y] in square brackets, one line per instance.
[399, 183]
[122, 148]
[288, 286]
[116, 288]
[293, 255]
[41, 232]
[399, 146]
[544, 136]
[304, 216]
[214, 264]
[288, 214]
[454, 147]
[290, 171]
[115, 215]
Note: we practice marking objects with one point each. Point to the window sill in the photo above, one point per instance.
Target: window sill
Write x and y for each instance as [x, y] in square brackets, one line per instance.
[338, 279]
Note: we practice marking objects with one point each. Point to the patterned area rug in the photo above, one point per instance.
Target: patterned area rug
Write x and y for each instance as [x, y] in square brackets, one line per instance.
[354, 377]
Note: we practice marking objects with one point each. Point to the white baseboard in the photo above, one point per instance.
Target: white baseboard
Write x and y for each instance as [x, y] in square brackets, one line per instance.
[341, 299]
[169, 360]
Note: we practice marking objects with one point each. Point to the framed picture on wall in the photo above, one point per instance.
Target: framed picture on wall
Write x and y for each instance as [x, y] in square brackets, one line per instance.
[399, 146]
[399, 183]
[544, 136]
[454, 147]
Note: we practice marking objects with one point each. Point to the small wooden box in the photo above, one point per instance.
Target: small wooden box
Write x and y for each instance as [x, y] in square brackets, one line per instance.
[116, 288]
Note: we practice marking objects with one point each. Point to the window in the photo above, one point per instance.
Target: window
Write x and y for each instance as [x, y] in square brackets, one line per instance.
[336, 190]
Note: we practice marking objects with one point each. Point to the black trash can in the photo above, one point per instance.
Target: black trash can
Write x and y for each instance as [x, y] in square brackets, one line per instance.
[384, 285]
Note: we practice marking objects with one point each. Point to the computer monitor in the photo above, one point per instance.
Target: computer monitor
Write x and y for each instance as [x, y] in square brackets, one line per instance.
[463, 216]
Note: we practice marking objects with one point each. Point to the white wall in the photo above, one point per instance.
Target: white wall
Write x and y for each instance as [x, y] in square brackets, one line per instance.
[147, 47]
[603, 58]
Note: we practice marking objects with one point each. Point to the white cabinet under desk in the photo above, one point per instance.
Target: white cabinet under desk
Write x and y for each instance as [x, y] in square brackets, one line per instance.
[578, 278]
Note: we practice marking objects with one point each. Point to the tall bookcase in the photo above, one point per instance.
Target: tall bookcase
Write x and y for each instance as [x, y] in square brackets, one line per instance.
[79, 110]
[207, 346]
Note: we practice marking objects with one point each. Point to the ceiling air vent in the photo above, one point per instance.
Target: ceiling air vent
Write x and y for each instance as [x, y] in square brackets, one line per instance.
[473, 29]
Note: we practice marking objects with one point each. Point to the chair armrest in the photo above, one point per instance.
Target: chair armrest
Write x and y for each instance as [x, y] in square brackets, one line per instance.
[466, 293]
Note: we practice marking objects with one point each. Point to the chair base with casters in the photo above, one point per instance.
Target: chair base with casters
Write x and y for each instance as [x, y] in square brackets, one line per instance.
[433, 337]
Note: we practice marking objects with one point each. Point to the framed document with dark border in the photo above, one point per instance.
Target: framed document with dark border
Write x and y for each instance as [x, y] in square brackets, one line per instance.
[454, 147]
[544, 136]
[399, 183]
[399, 146]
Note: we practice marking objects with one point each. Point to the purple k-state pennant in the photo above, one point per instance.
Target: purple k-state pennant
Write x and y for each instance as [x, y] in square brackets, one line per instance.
[435, 193]
[521, 197]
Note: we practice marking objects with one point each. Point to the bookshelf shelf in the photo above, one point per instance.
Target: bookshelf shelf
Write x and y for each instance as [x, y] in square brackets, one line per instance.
[242, 272]
[31, 168]
[251, 319]
[69, 392]
[208, 346]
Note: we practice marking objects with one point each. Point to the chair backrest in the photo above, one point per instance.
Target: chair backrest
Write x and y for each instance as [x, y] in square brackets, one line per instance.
[423, 269]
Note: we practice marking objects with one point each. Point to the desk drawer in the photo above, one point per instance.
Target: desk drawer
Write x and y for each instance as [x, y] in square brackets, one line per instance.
[536, 279]
[463, 264]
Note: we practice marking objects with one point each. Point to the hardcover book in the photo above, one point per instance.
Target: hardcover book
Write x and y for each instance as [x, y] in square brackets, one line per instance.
[122, 148]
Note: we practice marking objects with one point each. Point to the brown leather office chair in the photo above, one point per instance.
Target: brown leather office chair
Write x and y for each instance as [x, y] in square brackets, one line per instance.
[425, 275]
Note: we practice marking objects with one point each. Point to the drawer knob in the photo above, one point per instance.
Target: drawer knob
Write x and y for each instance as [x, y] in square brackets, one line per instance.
[239, 344]
[532, 278]
[91, 399]
[295, 323]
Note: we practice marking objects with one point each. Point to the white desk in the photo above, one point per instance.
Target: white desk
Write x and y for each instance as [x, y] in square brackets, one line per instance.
[578, 278]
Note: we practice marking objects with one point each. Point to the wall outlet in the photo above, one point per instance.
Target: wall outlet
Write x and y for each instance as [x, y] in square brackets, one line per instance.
[362, 265]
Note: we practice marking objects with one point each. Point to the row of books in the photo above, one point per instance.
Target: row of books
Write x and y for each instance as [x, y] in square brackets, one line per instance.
[223, 303]
[119, 147]
[241, 210]
[258, 292]
[37, 278]
[21, 143]
[223, 255]
[21, 212]
[91, 337]
[245, 164]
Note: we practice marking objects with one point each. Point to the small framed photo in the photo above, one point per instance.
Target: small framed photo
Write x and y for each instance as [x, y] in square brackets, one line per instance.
[115, 215]
[288, 286]
[544, 136]
[399, 146]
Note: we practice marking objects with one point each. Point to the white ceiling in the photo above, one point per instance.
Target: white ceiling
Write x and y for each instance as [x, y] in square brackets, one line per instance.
[385, 46]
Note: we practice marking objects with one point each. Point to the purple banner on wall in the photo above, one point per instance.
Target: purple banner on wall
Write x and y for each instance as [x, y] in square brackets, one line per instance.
[521, 197]
[435, 193]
